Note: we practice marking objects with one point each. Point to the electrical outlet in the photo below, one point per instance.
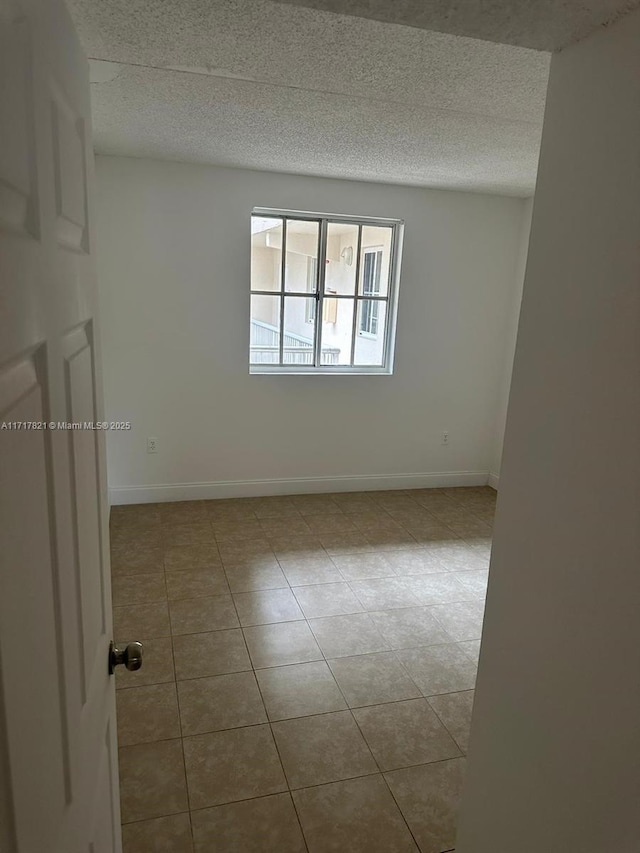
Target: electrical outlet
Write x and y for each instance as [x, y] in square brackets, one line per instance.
[445, 437]
[152, 445]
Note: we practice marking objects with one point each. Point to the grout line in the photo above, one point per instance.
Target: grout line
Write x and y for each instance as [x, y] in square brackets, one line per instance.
[299, 819]
[184, 761]
[451, 734]
[402, 815]
[452, 641]
[348, 707]
[275, 743]
[362, 734]
[276, 793]
[302, 788]
[157, 817]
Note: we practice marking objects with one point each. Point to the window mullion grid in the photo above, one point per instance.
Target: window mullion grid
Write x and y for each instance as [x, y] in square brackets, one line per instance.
[354, 322]
[321, 274]
[283, 269]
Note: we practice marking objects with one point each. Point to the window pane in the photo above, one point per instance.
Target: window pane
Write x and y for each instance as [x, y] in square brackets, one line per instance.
[298, 331]
[370, 335]
[265, 330]
[342, 248]
[266, 253]
[375, 260]
[337, 326]
[302, 256]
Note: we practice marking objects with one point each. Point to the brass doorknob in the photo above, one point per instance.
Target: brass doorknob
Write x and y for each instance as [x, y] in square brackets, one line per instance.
[129, 656]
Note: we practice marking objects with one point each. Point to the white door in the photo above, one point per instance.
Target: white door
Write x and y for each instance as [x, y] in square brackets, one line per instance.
[58, 769]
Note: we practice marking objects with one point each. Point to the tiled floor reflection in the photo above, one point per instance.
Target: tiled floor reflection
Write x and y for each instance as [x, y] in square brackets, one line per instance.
[309, 669]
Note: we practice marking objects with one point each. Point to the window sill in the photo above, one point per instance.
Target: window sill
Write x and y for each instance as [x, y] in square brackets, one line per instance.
[270, 370]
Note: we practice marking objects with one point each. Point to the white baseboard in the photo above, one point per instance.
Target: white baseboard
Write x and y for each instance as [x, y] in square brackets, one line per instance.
[308, 485]
[493, 481]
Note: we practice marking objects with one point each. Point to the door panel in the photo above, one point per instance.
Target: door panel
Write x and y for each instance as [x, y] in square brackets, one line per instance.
[34, 705]
[68, 145]
[85, 501]
[18, 206]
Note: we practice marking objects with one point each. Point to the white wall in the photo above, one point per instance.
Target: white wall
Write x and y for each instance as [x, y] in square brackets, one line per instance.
[555, 743]
[510, 335]
[173, 249]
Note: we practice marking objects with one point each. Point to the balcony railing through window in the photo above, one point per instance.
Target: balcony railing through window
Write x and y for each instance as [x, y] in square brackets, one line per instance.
[265, 347]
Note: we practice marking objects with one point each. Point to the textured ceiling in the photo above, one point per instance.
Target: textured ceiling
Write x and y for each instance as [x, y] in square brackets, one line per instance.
[266, 85]
[539, 24]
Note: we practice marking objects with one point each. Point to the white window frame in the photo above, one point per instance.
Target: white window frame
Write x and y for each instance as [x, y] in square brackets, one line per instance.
[391, 297]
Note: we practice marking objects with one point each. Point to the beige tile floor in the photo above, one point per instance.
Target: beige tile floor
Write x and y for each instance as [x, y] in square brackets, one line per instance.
[309, 669]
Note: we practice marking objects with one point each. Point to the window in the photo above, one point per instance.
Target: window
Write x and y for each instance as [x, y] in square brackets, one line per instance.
[323, 293]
